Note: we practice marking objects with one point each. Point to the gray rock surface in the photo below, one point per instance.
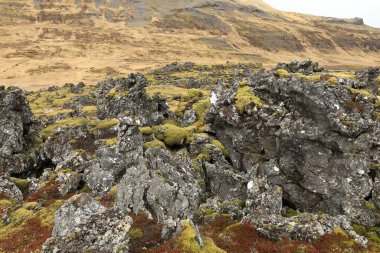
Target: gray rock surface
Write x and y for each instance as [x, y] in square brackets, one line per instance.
[83, 224]
[18, 132]
[306, 139]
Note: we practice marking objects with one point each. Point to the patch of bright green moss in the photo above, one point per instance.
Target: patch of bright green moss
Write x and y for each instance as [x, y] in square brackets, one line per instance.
[369, 205]
[110, 141]
[333, 80]
[136, 233]
[359, 229]
[146, 130]
[89, 109]
[7, 202]
[364, 93]
[220, 145]
[344, 75]
[112, 93]
[282, 73]
[200, 109]
[244, 97]
[376, 116]
[173, 135]
[113, 190]
[377, 103]
[374, 241]
[154, 144]
[67, 122]
[191, 97]
[188, 243]
[204, 155]
[22, 184]
[105, 124]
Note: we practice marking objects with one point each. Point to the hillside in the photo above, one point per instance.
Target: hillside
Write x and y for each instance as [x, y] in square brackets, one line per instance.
[56, 42]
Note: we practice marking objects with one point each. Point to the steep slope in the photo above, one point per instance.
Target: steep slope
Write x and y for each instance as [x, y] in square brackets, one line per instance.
[53, 42]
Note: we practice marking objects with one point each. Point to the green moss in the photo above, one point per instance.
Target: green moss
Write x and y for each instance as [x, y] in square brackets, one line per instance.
[333, 80]
[154, 144]
[375, 166]
[135, 233]
[244, 98]
[46, 215]
[240, 203]
[66, 171]
[359, 229]
[349, 124]
[30, 205]
[344, 75]
[220, 145]
[113, 190]
[377, 103]
[89, 109]
[22, 184]
[200, 109]
[112, 93]
[110, 141]
[204, 155]
[173, 135]
[192, 95]
[188, 243]
[146, 130]
[38, 140]
[290, 213]
[364, 93]
[190, 98]
[369, 205]
[282, 73]
[7, 202]
[196, 166]
[105, 124]
[374, 241]
[67, 122]
[313, 78]
[376, 116]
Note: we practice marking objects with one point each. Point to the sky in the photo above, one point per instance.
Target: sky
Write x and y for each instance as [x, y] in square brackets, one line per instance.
[369, 10]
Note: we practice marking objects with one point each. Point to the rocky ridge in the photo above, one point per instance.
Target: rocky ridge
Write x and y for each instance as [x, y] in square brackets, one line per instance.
[192, 158]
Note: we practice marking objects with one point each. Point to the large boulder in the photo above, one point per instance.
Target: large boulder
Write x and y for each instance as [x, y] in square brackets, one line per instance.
[315, 141]
[18, 133]
[84, 225]
[127, 97]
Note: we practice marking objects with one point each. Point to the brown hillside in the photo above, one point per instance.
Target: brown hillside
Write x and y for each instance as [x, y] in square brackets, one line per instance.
[53, 42]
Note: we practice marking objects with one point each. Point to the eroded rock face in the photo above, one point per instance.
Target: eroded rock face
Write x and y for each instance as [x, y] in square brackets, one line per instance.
[127, 97]
[315, 141]
[82, 224]
[163, 185]
[18, 132]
